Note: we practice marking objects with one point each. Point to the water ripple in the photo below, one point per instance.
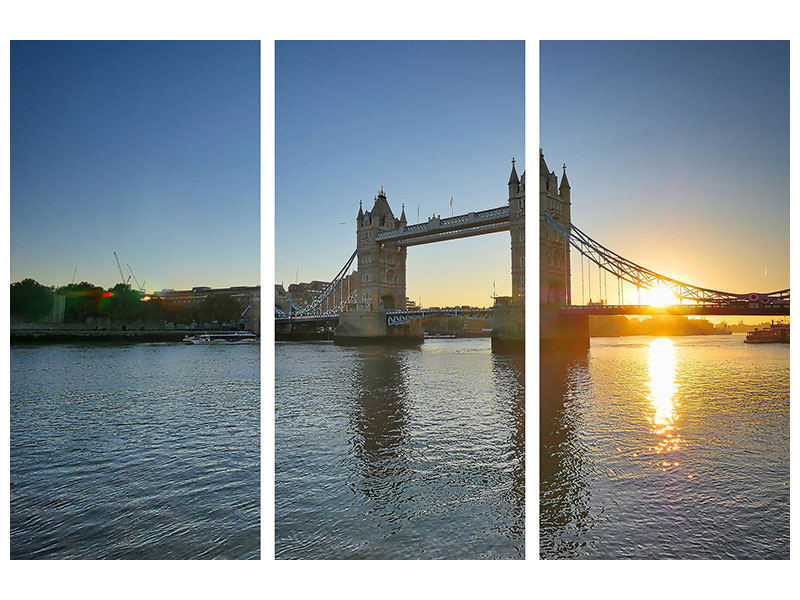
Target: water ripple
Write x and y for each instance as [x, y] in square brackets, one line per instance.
[671, 448]
[154, 455]
[399, 453]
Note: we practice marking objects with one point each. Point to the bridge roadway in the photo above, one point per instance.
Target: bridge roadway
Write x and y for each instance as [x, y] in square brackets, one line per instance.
[730, 309]
[394, 317]
[397, 317]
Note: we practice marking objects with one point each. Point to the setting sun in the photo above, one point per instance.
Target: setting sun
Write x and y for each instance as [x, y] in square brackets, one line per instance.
[660, 295]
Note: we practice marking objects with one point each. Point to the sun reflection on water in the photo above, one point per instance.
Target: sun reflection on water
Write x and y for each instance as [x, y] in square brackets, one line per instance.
[662, 414]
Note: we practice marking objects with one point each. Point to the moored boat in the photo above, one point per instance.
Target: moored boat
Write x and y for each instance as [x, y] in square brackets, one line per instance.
[234, 337]
[776, 333]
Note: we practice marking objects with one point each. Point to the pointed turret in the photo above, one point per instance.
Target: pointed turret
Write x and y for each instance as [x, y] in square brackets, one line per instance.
[544, 174]
[382, 211]
[564, 188]
[403, 215]
[360, 216]
[513, 180]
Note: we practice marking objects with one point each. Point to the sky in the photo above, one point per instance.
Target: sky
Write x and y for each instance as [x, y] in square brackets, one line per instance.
[677, 154]
[425, 120]
[149, 149]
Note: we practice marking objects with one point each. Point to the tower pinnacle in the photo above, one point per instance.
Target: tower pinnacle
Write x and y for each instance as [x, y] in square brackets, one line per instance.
[513, 179]
[564, 181]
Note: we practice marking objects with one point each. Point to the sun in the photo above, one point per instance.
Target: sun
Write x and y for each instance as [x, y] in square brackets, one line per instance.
[660, 295]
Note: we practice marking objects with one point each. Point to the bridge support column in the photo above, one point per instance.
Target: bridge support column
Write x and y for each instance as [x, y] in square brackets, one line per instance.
[508, 328]
[558, 328]
[371, 328]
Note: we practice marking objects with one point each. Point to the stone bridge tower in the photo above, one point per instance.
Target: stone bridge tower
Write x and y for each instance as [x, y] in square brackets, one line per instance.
[516, 206]
[381, 274]
[554, 267]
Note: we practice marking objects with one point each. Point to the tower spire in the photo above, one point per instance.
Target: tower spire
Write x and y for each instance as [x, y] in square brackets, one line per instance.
[564, 181]
[513, 179]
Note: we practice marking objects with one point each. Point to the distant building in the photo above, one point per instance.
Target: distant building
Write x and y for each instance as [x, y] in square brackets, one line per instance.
[244, 295]
[281, 297]
[303, 294]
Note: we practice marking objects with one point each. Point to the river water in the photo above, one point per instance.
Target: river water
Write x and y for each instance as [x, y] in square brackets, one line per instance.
[665, 448]
[385, 452]
[135, 451]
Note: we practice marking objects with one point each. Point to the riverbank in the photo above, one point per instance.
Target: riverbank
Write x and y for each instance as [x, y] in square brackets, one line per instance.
[58, 336]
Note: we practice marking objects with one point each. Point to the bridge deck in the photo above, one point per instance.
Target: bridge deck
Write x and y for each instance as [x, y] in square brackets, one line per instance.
[450, 228]
[736, 309]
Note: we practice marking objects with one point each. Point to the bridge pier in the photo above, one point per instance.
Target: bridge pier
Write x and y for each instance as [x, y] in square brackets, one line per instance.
[560, 329]
[508, 328]
[371, 328]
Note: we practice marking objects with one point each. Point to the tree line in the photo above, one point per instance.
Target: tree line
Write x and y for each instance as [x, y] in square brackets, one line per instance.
[34, 302]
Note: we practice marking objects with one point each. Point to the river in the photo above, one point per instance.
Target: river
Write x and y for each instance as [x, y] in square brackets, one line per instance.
[139, 451]
[665, 448]
[385, 452]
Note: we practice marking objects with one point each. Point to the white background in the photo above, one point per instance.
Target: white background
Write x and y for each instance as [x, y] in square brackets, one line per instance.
[384, 20]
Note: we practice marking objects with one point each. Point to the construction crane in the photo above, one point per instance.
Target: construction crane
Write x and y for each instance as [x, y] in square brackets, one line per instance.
[121, 274]
[141, 287]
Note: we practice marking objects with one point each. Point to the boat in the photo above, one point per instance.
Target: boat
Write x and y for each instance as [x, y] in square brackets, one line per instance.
[776, 333]
[234, 337]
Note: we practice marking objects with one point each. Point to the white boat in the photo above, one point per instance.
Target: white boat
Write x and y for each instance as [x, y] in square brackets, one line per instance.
[234, 337]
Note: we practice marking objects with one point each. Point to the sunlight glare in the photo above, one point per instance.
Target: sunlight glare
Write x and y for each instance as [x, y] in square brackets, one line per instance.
[660, 295]
[662, 412]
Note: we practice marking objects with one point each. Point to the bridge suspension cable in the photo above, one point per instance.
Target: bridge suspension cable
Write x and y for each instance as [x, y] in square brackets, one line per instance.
[611, 262]
[323, 295]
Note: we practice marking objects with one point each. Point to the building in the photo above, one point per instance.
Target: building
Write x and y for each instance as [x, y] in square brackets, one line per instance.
[554, 268]
[381, 274]
[516, 206]
[244, 295]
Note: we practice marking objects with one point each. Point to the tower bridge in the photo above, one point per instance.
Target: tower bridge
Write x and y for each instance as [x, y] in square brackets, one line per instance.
[373, 308]
[565, 323]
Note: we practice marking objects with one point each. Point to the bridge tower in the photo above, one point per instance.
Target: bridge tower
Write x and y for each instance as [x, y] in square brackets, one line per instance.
[558, 328]
[381, 273]
[516, 205]
[554, 267]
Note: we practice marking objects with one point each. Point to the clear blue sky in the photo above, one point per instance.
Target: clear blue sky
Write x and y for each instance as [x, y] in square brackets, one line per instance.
[677, 154]
[426, 120]
[147, 148]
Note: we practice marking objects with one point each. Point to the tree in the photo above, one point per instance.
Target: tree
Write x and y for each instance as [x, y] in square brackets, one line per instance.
[123, 305]
[31, 300]
[81, 301]
[219, 307]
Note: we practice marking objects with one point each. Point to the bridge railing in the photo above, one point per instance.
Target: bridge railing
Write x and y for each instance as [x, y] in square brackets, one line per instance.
[398, 317]
[436, 224]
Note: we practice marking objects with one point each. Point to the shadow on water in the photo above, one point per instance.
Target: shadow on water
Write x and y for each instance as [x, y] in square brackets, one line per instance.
[379, 423]
[508, 372]
[564, 501]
